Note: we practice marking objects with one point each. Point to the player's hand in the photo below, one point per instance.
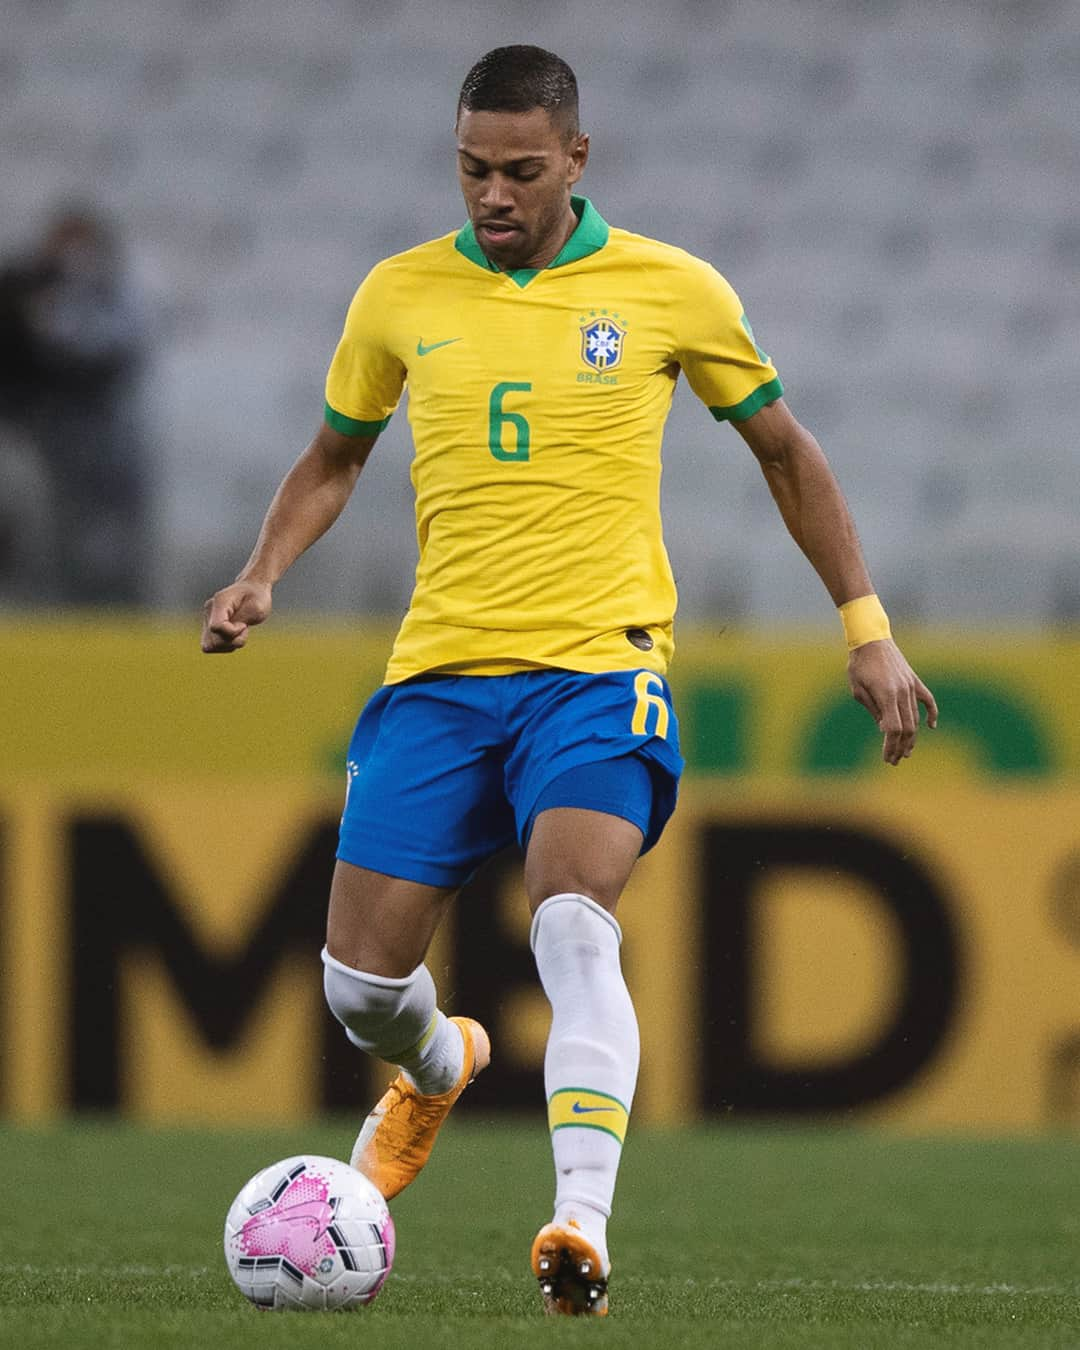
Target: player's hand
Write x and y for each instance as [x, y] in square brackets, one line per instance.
[229, 614]
[883, 682]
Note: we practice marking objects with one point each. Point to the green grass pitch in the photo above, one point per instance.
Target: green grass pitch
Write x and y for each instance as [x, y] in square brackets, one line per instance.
[111, 1236]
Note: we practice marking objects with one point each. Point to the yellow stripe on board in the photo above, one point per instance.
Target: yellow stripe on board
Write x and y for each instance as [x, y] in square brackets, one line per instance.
[587, 1110]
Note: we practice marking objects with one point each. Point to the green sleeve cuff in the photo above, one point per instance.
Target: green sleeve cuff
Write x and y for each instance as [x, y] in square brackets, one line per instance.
[768, 393]
[349, 426]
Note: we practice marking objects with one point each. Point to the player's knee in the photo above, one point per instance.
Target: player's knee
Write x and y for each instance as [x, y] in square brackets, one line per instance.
[596, 883]
[598, 873]
[379, 1014]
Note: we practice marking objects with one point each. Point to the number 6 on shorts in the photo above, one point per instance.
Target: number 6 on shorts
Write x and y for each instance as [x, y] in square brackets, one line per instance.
[644, 683]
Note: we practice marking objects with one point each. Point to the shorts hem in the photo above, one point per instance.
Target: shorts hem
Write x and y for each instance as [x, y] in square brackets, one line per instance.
[583, 801]
[405, 869]
[665, 787]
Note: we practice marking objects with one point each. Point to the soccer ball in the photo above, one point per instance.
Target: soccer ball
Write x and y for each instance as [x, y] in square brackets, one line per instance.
[309, 1232]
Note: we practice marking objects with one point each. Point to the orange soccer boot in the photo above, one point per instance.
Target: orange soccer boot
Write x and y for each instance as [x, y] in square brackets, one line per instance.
[572, 1277]
[396, 1139]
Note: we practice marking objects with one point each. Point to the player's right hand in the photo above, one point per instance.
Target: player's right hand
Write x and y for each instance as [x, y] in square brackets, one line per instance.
[229, 614]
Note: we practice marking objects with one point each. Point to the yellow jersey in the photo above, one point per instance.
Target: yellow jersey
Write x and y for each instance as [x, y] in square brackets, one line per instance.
[537, 400]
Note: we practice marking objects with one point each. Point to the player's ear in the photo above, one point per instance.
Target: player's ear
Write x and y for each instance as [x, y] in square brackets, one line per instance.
[579, 155]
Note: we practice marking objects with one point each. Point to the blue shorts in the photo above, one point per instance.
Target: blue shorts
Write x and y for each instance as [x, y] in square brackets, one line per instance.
[445, 770]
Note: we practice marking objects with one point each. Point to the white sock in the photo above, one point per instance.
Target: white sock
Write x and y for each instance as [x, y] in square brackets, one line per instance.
[397, 1020]
[591, 1064]
[435, 1065]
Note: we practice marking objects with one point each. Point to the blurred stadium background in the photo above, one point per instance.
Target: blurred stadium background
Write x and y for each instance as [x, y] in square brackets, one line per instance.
[892, 189]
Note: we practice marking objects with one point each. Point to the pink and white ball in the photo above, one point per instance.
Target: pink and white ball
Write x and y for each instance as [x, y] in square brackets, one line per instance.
[309, 1232]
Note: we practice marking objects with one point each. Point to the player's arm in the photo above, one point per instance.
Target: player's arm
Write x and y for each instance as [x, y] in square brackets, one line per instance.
[818, 519]
[311, 497]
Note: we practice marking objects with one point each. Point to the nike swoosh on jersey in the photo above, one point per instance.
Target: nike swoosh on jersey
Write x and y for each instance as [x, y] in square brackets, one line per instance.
[580, 1110]
[421, 350]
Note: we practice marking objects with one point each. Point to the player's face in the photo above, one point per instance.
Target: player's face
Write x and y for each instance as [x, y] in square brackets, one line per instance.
[516, 171]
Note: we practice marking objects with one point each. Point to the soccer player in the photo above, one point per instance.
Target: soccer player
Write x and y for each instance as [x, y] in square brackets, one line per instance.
[525, 696]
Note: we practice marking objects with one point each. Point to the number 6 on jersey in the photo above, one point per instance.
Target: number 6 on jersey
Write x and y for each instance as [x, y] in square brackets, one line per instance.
[497, 417]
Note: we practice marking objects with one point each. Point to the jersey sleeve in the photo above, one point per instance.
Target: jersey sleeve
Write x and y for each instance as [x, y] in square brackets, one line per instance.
[725, 367]
[365, 379]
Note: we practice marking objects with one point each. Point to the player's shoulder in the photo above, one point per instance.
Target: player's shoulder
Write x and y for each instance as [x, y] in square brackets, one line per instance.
[657, 252]
[394, 276]
[432, 253]
[676, 267]
[420, 258]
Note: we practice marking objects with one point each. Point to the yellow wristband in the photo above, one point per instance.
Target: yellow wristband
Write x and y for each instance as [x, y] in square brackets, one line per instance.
[864, 621]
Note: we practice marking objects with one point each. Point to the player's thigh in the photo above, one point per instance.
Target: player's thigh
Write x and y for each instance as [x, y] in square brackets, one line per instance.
[593, 778]
[570, 725]
[425, 801]
[381, 924]
[574, 850]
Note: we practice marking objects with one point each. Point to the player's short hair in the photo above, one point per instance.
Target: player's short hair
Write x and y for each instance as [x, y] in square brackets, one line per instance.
[517, 79]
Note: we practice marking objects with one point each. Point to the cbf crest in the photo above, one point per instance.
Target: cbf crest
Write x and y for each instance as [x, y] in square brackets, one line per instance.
[602, 340]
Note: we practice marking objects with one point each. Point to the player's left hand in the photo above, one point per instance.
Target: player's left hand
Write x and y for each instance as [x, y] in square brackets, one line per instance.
[883, 682]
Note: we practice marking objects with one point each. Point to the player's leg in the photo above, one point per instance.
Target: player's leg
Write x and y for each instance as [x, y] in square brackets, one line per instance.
[377, 934]
[377, 985]
[423, 807]
[578, 862]
[593, 780]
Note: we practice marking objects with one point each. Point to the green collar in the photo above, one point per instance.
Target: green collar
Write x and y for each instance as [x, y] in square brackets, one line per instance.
[590, 235]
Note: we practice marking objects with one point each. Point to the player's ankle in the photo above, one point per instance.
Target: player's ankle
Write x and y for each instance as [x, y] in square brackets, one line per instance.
[438, 1068]
[591, 1222]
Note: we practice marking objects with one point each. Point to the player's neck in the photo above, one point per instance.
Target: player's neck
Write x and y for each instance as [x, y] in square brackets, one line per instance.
[557, 242]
